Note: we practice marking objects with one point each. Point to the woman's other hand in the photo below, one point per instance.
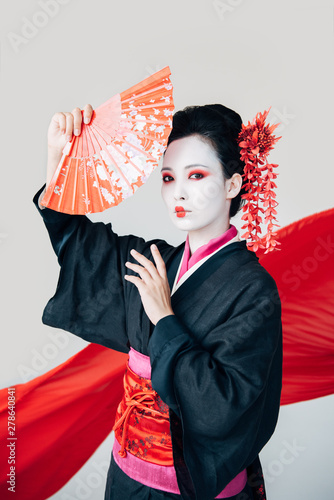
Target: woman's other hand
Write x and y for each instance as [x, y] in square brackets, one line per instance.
[152, 285]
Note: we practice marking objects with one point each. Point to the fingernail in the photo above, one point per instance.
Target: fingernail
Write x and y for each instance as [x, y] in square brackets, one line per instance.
[154, 246]
[68, 137]
[86, 120]
[76, 131]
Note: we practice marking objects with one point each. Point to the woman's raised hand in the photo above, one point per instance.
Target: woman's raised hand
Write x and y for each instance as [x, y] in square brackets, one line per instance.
[61, 129]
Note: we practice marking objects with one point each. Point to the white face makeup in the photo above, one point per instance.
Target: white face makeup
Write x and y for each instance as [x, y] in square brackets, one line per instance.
[193, 187]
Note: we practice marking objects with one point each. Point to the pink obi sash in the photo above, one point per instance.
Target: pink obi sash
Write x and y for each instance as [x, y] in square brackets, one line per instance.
[140, 404]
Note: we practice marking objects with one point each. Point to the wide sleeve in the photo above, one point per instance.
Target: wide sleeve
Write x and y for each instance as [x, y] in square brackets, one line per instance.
[224, 391]
[92, 299]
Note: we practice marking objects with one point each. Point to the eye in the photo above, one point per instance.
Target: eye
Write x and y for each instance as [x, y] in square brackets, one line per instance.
[169, 178]
[165, 178]
[197, 173]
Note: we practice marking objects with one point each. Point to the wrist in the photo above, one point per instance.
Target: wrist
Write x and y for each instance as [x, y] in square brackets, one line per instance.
[54, 155]
[164, 315]
[40, 198]
[53, 150]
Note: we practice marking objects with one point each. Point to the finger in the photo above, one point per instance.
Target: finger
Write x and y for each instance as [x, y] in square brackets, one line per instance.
[159, 262]
[61, 119]
[69, 125]
[148, 264]
[135, 280]
[88, 111]
[77, 119]
[143, 273]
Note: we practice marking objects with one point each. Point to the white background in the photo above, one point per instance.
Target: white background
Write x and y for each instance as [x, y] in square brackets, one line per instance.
[247, 55]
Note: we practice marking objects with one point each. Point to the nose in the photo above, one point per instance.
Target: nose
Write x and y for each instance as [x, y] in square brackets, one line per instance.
[179, 191]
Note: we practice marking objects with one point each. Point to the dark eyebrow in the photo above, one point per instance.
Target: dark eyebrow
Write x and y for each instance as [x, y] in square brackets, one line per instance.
[188, 166]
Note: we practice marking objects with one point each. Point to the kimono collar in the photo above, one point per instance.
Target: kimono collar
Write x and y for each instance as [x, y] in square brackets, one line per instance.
[205, 250]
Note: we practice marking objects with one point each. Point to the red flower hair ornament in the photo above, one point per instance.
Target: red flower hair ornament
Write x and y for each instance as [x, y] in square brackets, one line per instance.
[256, 139]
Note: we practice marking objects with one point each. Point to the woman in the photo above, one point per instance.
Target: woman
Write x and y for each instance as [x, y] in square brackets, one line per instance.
[201, 321]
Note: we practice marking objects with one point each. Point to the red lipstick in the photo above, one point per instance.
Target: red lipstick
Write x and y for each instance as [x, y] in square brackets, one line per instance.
[180, 211]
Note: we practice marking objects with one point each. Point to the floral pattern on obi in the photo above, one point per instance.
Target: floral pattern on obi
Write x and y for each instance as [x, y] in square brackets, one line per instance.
[142, 422]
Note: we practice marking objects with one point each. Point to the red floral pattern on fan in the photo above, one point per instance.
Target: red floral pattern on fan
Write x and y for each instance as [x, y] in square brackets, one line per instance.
[117, 151]
[256, 140]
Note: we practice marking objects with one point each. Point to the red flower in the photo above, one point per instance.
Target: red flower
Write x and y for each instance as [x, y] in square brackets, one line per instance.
[256, 140]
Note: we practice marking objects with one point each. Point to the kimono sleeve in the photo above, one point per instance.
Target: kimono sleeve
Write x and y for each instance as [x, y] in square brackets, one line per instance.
[223, 392]
[92, 296]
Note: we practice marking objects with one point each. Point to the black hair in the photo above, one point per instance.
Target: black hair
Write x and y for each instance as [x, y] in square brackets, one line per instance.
[220, 126]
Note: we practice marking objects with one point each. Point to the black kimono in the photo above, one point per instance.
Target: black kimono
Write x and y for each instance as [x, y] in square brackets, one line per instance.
[217, 363]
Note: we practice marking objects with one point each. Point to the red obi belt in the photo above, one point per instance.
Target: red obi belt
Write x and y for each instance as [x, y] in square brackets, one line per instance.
[143, 444]
[142, 422]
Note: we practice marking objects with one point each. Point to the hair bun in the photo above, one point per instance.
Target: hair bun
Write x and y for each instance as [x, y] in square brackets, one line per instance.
[231, 118]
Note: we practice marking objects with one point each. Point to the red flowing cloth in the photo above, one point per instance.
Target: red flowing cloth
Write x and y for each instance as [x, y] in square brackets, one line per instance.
[304, 274]
[63, 415]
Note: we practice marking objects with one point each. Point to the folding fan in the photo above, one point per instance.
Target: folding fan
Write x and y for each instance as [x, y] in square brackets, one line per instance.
[117, 151]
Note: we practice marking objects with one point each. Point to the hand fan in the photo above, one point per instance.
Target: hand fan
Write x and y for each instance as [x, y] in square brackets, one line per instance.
[117, 151]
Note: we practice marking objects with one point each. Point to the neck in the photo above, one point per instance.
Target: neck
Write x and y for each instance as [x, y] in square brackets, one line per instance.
[202, 236]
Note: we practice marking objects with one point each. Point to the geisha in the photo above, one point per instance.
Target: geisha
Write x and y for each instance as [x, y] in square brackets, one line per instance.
[201, 321]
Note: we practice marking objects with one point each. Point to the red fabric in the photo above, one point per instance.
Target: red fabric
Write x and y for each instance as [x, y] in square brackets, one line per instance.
[304, 272]
[61, 419]
[65, 414]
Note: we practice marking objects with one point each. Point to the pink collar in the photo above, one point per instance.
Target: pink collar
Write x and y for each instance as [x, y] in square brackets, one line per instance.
[205, 250]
